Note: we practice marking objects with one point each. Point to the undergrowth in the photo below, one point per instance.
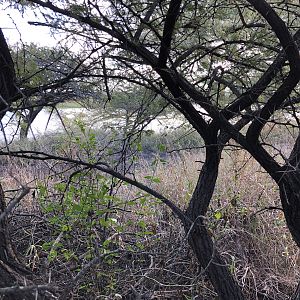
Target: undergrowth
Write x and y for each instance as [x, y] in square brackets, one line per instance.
[94, 237]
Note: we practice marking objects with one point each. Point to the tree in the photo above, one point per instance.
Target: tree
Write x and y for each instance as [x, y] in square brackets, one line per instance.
[8, 87]
[8, 258]
[38, 67]
[186, 52]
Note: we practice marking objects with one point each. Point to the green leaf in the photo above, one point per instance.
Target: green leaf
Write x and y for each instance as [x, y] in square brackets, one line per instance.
[148, 233]
[139, 147]
[60, 187]
[153, 178]
[103, 222]
[142, 224]
[66, 227]
[162, 147]
[142, 200]
[218, 215]
[47, 246]
[52, 255]
[106, 243]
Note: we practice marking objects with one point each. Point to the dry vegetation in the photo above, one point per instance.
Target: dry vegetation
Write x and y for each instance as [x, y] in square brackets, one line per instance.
[151, 258]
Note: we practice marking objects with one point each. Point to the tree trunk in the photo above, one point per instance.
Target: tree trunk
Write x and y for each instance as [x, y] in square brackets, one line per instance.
[296, 295]
[27, 120]
[289, 188]
[212, 263]
[24, 129]
[198, 236]
[7, 76]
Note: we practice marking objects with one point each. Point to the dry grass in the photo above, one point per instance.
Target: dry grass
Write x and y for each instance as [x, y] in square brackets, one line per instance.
[253, 239]
[251, 234]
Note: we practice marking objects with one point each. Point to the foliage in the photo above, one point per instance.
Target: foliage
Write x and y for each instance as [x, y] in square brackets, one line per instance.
[266, 254]
[231, 68]
[87, 218]
[131, 101]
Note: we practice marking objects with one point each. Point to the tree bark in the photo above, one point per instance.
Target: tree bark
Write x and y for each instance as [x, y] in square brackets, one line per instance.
[289, 188]
[27, 120]
[212, 263]
[8, 87]
[296, 295]
[199, 238]
[10, 269]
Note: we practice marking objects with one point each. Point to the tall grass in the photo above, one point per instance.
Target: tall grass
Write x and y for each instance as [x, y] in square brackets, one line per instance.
[244, 219]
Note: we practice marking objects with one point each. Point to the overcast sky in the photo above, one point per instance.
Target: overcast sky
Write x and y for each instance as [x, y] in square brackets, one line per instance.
[15, 26]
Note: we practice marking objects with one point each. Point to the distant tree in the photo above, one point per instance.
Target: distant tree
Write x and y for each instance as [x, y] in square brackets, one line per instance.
[38, 67]
[46, 77]
[135, 105]
[236, 60]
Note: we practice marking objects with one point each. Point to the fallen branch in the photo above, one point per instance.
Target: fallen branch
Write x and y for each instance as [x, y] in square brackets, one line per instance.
[18, 289]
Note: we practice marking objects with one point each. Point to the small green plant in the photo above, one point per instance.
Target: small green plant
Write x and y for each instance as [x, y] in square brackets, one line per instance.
[87, 219]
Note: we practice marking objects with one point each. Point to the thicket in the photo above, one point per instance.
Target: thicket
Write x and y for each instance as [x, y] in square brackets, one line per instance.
[231, 69]
[76, 216]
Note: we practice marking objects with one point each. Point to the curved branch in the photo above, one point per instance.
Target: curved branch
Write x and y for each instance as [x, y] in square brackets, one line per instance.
[37, 155]
[249, 97]
[281, 31]
[292, 53]
[165, 45]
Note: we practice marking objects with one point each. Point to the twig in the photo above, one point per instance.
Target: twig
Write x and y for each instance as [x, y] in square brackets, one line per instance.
[82, 272]
[14, 202]
[103, 167]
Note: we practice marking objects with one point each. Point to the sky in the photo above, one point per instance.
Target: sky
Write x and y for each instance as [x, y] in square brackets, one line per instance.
[16, 27]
